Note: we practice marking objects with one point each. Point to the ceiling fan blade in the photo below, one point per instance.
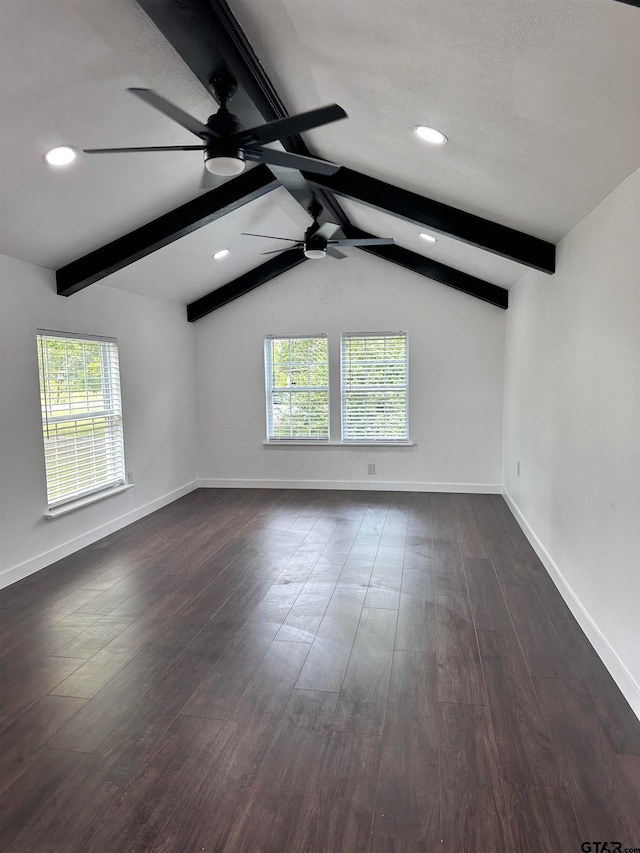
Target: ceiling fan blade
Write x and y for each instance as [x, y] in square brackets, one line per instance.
[173, 112]
[252, 155]
[283, 127]
[327, 230]
[298, 161]
[269, 237]
[148, 148]
[335, 253]
[286, 249]
[372, 241]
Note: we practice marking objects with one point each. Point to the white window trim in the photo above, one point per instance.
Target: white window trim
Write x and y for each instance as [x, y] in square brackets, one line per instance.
[388, 441]
[97, 492]
[344, 444]
[269, 391]
[72, 506]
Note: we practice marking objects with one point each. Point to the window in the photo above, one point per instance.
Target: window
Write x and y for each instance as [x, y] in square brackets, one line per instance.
[374, 387]
[297, 380]
[81, 415]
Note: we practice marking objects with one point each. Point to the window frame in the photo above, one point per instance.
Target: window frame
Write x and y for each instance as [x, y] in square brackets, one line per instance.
[345, 336]
[306, 389]
[110, 413]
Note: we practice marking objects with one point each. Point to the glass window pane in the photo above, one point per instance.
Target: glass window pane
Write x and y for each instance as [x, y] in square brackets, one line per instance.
[81, 415]
[374, 387]
[297, 377]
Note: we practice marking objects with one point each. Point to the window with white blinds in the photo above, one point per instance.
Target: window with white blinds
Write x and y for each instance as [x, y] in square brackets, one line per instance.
[81, 415]
[297, 383]
[375, 376]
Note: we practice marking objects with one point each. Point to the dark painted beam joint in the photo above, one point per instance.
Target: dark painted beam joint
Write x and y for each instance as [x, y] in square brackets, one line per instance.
[244, 284]
[467, 227]
[434, 270]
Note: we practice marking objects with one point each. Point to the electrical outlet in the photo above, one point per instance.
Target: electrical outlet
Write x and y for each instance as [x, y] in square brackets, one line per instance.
[371, 468]
[518, 468]
[129, 476]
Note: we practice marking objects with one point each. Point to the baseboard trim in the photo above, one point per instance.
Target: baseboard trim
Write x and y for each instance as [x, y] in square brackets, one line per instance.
[354, 485]
[620, 674]
[29, 567]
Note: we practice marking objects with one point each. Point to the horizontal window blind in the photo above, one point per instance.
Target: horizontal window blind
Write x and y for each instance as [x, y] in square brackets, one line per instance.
[374, 386]
[81, 415]
[297, 386]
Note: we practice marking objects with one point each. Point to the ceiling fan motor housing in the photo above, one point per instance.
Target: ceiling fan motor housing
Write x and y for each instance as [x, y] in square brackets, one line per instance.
[222, 156]
[315, 247]
[224, 160]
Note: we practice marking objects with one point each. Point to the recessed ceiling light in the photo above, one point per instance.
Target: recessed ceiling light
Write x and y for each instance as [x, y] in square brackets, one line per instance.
[429, 238]
[430, 134]
[62, 155]
[221, 254]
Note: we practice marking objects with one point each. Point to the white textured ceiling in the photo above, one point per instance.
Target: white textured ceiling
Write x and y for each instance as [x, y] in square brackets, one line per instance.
[539, 99]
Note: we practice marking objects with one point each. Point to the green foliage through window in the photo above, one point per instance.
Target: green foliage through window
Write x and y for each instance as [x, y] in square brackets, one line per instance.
[297, 382]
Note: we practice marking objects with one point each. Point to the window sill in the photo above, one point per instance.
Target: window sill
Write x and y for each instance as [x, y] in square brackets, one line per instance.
[90, 499]
[344, 444]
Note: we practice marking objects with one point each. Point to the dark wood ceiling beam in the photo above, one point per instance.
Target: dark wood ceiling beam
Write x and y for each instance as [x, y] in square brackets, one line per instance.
[244, 284]
[427, 213]
[207, 35]
[434, 270]
[164, 230]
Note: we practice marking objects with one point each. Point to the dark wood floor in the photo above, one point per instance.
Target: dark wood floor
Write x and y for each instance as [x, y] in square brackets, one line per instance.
[309, 671]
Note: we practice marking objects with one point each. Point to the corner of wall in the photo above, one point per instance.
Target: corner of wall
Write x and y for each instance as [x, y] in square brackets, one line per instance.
[16, 573]
[620, 674]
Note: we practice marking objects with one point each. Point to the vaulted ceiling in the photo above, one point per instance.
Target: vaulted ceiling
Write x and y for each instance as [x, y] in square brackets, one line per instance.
[538, 99]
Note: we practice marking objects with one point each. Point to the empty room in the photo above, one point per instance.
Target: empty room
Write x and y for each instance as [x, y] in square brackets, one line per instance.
[319, 426]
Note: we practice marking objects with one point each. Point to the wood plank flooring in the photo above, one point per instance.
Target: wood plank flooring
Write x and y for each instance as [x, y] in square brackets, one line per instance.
[286, 671]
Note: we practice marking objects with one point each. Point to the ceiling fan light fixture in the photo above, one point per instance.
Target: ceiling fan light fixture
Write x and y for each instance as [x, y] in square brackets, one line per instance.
[225, 166]
[430, 134]
[315, 254]
[61, 155]
[428, 238]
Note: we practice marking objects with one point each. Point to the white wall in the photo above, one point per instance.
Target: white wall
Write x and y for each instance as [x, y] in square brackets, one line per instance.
[158, 398]
[456, 379]
[572, 420]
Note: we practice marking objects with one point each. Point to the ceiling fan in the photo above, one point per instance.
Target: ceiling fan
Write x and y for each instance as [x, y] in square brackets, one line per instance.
[319, 240]
[226, 144]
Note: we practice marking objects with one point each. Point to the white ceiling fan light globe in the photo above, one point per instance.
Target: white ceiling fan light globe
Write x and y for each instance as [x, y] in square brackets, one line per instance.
[315, 254]
[225, 167]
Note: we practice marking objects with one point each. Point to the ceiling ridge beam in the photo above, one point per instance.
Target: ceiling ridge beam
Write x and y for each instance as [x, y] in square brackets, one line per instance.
[245, 283]
[428, 213]
[165, 229]
[434, 270]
